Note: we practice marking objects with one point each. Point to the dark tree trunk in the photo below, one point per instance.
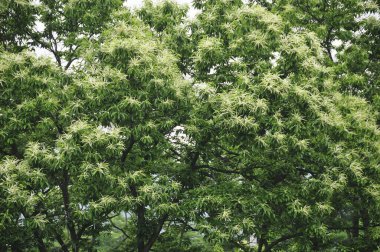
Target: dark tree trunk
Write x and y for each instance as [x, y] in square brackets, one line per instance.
[156, 233]
[66, 204]
[40, 242]
[366, 223]
[140, 212]
[355, 226]
[140, 228]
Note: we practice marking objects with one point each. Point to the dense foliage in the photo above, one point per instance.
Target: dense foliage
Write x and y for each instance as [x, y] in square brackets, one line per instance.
[253, 126]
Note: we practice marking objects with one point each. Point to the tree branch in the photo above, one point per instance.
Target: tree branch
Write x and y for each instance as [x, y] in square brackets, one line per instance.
[61, 242]
[118, 228]
[217, 169]
[281, 239]
[127, 150]
[155, 235]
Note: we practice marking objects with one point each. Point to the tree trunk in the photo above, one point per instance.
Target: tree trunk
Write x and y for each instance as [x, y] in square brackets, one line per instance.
[40, 242]
[156, 233]
[366, 222]
[140, 228]
[355, 226]
[140, 212]
[66, 203]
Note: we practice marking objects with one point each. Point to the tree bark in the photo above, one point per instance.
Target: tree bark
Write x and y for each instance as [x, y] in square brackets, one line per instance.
[66, 204]
[269, 247]
[355, 226]
[140, 212]
[155, 235]
[40, 242]
[140, 228]
[61, 242]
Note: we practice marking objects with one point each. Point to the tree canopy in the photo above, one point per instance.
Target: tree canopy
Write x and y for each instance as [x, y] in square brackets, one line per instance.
[253, 126]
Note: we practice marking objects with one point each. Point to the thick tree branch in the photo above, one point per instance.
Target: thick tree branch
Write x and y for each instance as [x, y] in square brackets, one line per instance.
[156, 233]
[118, 228]
[127, 150]
[217, 169]
[274, 243]
[61, 242]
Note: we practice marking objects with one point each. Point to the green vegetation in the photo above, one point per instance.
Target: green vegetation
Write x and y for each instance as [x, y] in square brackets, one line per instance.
[253, 126]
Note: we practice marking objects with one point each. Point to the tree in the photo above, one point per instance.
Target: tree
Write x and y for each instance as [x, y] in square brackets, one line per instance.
[235, 131]
[146, 97]
[235, 47]
[16, 22]
[348, 33]
[92, 166]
